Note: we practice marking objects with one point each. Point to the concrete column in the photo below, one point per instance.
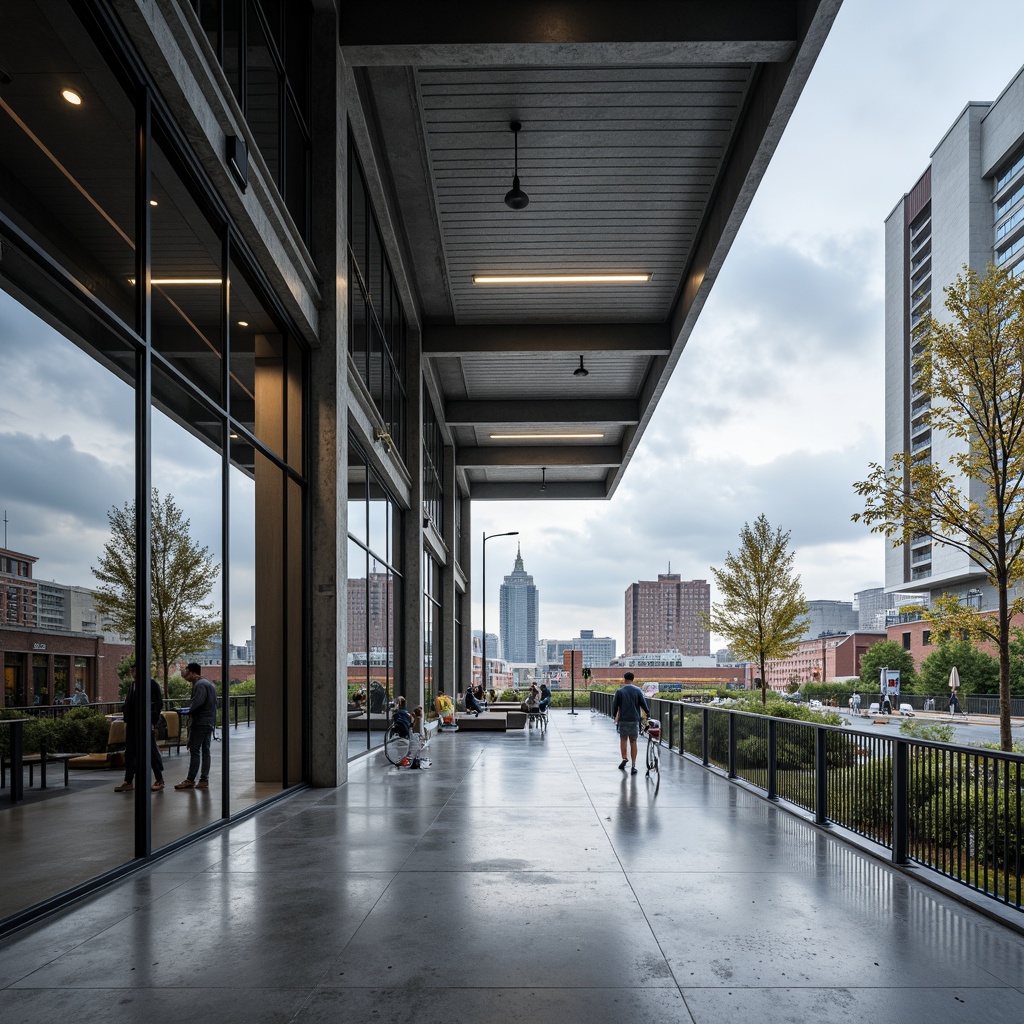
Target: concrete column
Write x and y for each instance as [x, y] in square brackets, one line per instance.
[328, 440]
[409, 679]
[466, 564]
[447, 675]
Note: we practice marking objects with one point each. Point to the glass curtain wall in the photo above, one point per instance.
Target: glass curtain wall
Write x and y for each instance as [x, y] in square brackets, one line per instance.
[377, 324]
[374, 597]
[190, 390]
[264, 48]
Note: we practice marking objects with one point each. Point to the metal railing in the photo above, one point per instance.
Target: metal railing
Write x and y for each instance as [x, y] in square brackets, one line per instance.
[950, 809]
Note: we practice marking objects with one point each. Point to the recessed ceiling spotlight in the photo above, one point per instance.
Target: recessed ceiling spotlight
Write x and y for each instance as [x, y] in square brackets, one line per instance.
[153, 202]
[515, 197]
[561, 278]
[72, 97]
[243, 323]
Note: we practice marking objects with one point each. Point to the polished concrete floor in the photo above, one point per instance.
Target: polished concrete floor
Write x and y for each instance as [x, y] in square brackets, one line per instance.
[520, 878]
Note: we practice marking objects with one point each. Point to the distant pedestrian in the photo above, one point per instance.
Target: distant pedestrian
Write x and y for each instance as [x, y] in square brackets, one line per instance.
[202, 722]
[627, 705]
[80, 698]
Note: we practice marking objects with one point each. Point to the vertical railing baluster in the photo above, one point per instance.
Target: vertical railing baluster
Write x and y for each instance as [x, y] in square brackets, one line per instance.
[900, 790]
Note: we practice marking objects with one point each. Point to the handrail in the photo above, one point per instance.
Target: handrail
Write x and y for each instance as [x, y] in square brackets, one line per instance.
[248, 700]
[948, 808]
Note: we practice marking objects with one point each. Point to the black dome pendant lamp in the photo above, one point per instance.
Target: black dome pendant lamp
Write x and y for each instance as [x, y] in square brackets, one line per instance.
[515, 197]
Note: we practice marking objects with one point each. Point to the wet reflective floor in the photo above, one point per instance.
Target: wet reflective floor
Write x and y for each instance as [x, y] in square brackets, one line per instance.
[521, 878]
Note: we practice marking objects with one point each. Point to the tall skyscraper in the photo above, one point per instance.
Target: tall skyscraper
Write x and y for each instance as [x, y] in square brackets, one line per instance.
[665, 615]
[518, 614]
[967, 208]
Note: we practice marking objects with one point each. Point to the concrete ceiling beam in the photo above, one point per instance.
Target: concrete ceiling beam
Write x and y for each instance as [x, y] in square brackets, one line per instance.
[487, 339]
[482, 457]
[539, 413]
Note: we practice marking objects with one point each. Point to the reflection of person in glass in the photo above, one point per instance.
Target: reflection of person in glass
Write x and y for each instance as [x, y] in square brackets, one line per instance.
[202, 722]
[156, 703]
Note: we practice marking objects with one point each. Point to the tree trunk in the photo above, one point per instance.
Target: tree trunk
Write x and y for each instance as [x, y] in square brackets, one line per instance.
[764, 685]
[1003, 643]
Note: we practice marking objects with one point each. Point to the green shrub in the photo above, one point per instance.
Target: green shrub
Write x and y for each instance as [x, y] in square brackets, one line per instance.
[246, 688]
[79, 731]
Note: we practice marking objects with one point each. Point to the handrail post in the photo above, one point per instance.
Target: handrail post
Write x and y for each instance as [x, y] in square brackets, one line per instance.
[900, 788]
[773, 757]
[820, 778]
[705, 716]
[731, 761]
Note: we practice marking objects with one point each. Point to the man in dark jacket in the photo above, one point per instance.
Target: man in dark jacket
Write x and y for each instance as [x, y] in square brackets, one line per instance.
[156, 705]
[202, 721]
[627, 703]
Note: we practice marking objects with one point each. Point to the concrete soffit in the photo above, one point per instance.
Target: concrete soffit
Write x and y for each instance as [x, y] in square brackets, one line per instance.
[678, 106]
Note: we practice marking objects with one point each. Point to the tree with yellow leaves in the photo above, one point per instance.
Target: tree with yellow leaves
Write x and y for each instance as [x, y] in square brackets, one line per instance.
[970, 367]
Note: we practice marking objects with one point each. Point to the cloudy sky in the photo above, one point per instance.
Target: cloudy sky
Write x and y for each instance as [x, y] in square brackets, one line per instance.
[777, 403]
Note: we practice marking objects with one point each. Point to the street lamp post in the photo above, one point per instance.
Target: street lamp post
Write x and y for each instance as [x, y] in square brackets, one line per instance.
[483, 595]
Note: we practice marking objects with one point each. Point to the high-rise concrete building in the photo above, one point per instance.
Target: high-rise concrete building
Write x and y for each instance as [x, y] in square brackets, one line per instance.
[666, 615]
[518, 614]
[967, 208]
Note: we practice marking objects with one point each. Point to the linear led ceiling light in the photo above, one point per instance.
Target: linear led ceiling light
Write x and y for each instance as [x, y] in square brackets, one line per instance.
[561, 278]
[182, 280]
[545, 437]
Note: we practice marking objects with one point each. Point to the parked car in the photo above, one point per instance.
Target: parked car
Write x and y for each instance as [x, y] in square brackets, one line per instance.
[907, 710]
[873, 709]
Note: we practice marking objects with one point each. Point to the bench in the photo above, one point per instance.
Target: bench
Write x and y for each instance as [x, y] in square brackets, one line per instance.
[43, 758]
[489, 721]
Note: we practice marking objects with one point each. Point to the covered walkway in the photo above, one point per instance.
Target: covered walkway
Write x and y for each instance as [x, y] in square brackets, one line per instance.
[520, 878]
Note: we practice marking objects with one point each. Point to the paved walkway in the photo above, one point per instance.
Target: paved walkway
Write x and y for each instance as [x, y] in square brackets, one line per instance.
[521, 878]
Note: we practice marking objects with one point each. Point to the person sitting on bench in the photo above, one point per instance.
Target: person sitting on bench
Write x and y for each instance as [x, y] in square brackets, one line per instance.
[473, 705]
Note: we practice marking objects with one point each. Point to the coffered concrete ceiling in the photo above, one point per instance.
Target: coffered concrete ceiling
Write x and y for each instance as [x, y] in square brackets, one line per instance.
[646, 128]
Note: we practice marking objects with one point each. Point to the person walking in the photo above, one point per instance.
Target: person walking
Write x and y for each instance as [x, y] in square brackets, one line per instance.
[156, 705]
[202, 721]
[627, 704]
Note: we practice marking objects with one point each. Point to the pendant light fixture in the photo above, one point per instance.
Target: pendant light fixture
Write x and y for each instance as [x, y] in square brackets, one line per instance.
[543, 480]
[515, 197]
[581, 370]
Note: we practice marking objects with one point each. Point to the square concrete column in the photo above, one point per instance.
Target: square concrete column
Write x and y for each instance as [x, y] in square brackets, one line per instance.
[465, 652]
[446, 674]
[328, 441]
[409, 677]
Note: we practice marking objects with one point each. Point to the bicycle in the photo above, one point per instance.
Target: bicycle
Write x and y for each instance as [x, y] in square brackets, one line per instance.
[397, 745]
[653, 730]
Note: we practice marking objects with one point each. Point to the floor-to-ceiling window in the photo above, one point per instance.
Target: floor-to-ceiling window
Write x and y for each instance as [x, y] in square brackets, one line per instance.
[144, 360]
[374, 597]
